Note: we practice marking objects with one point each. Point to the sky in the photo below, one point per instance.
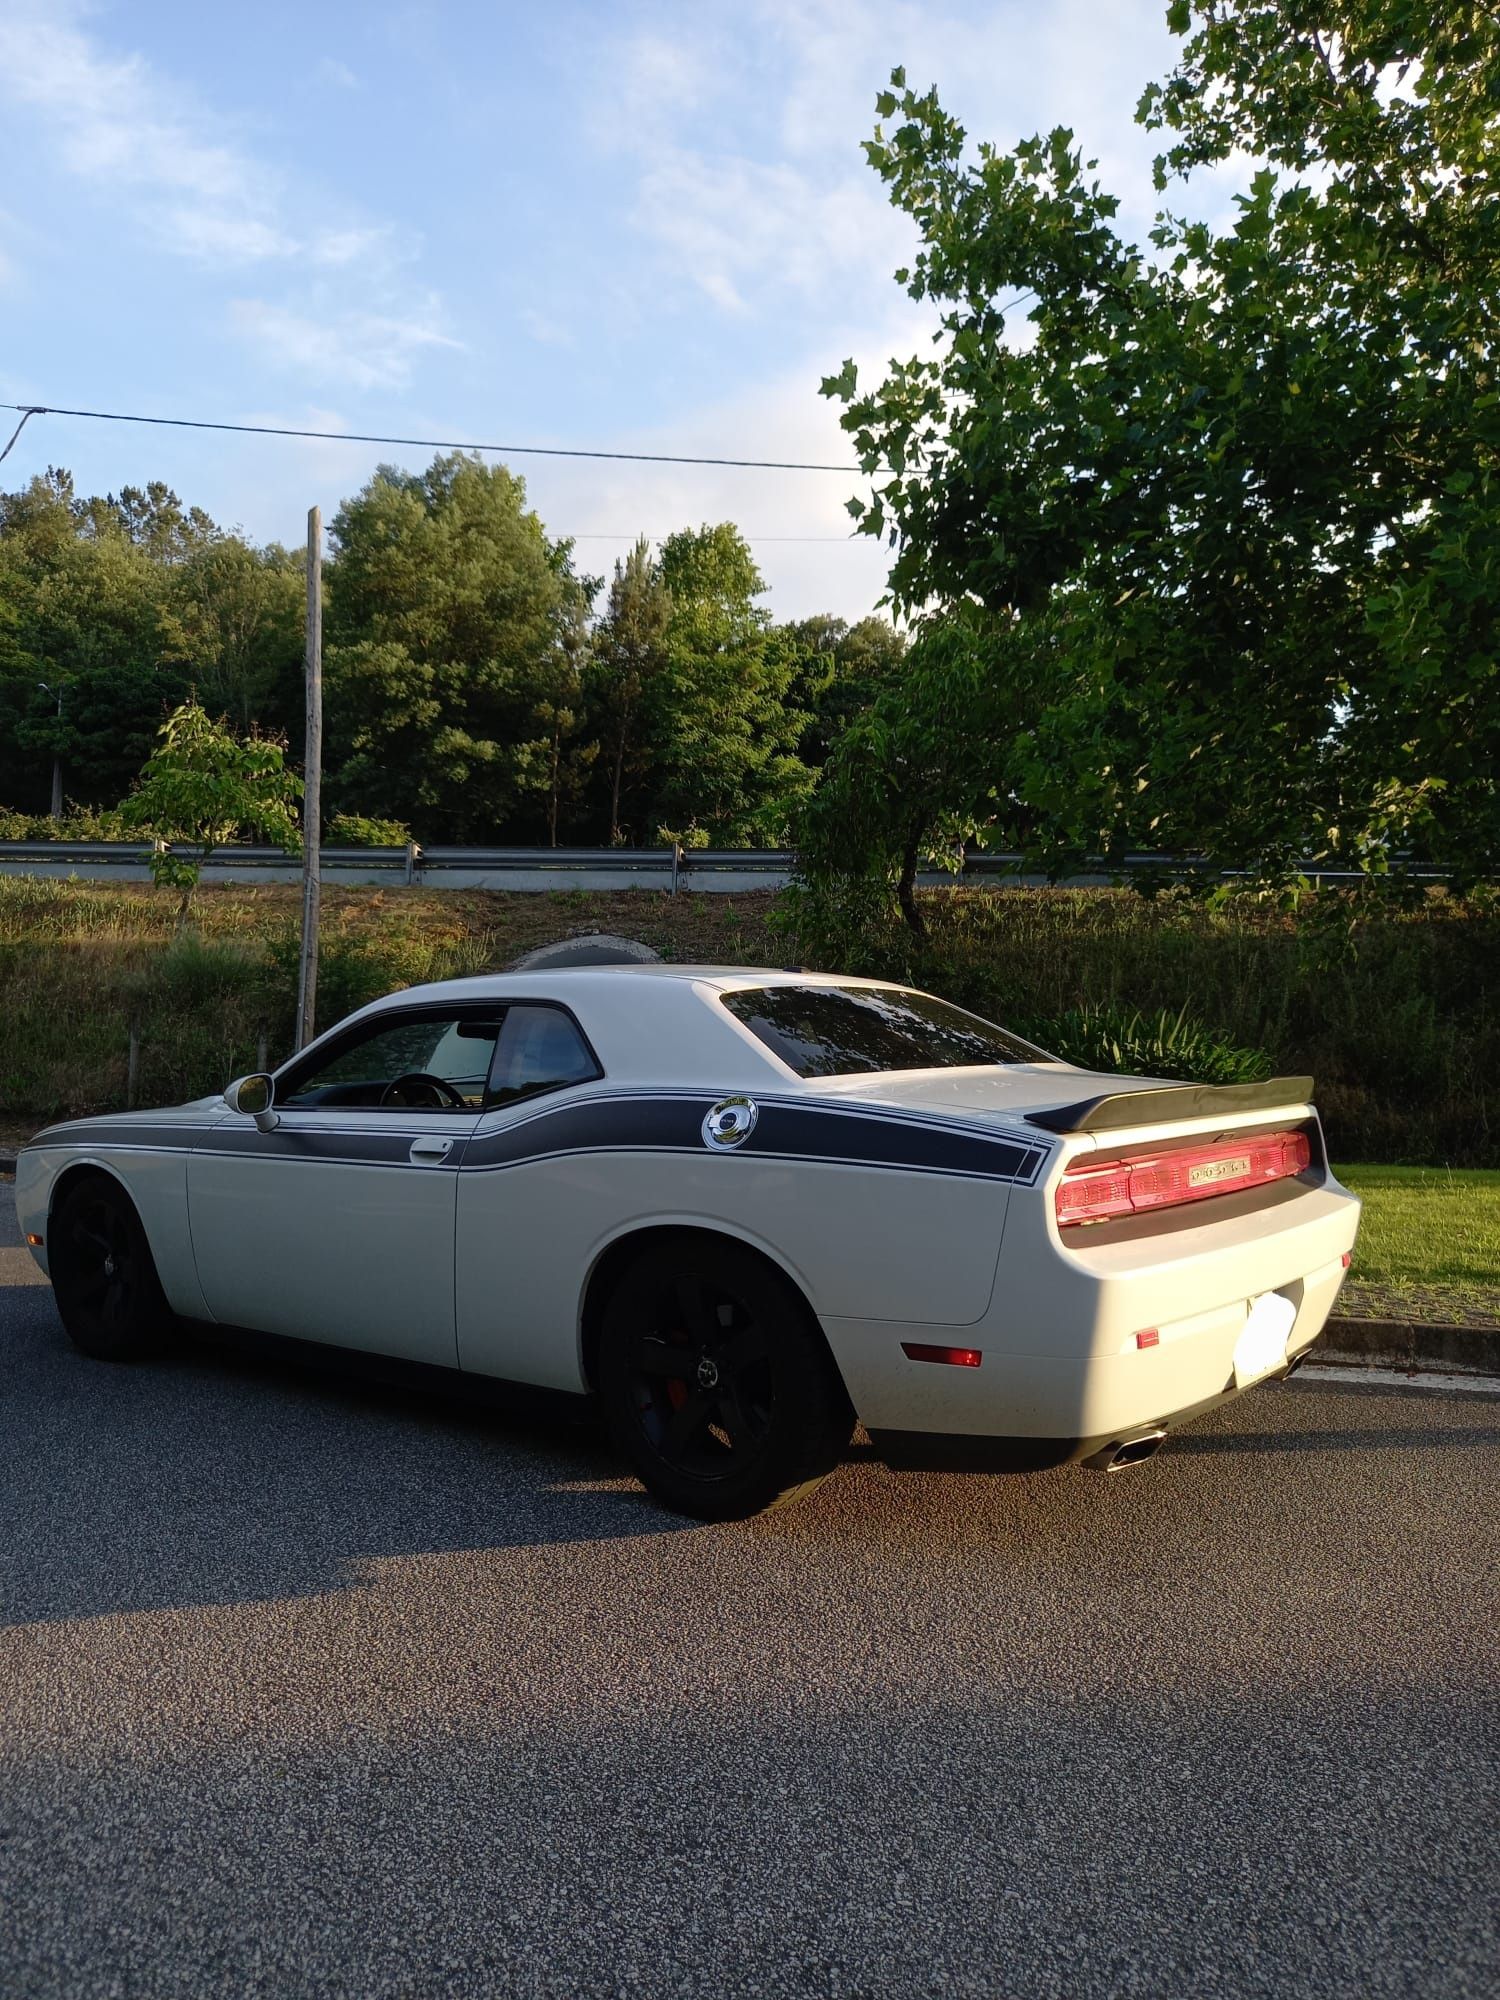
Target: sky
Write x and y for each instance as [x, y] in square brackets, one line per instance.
[632, 228]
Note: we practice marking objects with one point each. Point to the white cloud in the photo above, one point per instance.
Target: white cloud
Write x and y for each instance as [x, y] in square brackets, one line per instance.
[368, 246]
[815, 224]
[743, 229]
[365, 350]
[158, 155]
[117, 123]
[337, 73]
[797, 522]
[547, 332]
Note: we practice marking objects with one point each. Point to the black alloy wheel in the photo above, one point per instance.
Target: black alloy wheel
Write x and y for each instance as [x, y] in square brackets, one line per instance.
[717, 1383]
[103, 1278]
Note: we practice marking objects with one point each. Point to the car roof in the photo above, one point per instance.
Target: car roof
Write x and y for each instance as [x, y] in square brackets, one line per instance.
[477, 985]
[647, 1023]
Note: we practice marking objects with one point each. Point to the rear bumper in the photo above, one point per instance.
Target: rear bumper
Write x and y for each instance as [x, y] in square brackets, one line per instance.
[1063, 1372]
[945, 1451]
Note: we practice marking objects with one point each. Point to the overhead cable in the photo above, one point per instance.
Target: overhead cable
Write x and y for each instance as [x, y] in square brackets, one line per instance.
[426, 444]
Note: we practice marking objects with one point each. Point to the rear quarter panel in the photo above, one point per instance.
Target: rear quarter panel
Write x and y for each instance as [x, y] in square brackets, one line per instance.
[876, 1242]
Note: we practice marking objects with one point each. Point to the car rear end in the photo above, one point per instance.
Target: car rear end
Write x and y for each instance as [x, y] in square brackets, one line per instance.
[1160, 1264]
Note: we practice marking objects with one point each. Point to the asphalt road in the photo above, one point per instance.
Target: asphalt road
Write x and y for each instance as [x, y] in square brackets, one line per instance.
[312, 1687]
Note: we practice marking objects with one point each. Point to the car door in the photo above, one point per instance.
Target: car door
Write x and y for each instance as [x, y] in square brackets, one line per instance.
[516, 1288]
[338, 1225]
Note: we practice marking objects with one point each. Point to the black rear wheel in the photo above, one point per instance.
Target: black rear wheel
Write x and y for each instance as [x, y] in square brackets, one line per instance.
[717, 1385]
[103, 1276]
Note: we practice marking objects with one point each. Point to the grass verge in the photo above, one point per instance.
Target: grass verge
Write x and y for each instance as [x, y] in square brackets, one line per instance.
[1429, 1245]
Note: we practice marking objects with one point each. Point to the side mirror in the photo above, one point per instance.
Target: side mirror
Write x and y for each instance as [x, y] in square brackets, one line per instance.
[254, 1097]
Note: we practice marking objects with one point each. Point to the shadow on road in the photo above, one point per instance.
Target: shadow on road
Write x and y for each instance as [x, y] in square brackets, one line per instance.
[252, 1470]
[1414, 1437]
[225, 1472]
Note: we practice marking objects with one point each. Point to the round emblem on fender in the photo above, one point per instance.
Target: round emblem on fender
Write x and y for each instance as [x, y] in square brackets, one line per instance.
[730, 1123]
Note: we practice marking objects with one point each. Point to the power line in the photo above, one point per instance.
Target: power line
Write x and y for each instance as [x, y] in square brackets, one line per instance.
[25, 416]
[426, 444]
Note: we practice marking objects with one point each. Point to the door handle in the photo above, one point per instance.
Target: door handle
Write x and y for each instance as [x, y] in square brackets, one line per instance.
[429, 1150]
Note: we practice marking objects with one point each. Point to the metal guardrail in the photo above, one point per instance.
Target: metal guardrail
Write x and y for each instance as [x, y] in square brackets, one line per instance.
[540, 869]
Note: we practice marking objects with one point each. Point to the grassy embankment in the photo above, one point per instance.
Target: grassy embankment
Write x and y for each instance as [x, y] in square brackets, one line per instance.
[1398, 1017]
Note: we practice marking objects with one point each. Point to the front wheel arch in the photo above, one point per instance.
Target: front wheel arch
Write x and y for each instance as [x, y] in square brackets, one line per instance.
[80, 1171]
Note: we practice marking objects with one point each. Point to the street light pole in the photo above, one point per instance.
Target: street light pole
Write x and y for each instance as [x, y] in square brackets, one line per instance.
[57, 797]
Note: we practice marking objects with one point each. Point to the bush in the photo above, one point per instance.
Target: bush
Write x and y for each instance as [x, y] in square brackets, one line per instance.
[1130, 1042]
[352, 971]
[77, 823]
[353, 830]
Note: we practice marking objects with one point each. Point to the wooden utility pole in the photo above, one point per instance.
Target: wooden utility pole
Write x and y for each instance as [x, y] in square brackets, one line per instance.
[312, 800]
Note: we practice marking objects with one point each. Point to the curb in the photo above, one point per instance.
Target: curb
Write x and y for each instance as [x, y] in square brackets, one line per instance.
[1403, 1345]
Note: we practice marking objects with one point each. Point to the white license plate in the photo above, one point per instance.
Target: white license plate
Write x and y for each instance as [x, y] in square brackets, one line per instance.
[1261, 1346]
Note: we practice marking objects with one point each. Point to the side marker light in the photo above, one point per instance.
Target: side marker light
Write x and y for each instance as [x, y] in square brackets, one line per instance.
[1347, 1259]
[33, 1240]
[955, 1357]
[1150, 1337]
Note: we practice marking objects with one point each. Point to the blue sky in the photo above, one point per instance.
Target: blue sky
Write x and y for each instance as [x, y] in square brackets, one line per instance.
[642, 227]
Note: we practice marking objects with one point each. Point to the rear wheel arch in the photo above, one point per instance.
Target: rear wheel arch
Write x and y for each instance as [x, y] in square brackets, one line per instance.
[617, 1257]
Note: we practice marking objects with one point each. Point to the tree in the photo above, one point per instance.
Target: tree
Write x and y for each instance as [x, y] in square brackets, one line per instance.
[725, 753]
[201, 787]
[912, 777]
[1226, 525]
[447, 606]
[840, 670]
[562, 707]
[628, 669]
[241, 610]
[124, 603]
[83, 610]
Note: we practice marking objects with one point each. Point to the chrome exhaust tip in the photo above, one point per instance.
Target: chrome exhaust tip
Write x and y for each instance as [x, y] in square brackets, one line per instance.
[1130, 1451]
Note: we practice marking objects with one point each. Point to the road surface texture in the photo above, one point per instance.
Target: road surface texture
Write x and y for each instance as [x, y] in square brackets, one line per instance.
[310, 1686]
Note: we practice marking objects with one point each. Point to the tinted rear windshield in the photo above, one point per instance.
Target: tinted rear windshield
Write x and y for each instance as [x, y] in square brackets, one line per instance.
[836, 1030]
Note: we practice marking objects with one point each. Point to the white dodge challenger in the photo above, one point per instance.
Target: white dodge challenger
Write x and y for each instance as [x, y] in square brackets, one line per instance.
[742, 1208]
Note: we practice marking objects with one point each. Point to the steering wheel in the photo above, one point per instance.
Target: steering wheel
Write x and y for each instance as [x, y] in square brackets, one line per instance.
[440, 1094]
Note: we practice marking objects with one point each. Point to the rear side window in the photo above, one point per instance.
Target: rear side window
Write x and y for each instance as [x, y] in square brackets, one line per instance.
[841, 1030]
[540, 1048]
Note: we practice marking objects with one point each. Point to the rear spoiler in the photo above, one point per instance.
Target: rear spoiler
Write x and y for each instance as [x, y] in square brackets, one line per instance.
[1165, 1104]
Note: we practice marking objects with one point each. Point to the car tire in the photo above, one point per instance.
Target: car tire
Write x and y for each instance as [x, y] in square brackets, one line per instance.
[716, 1382]
[103, 1275]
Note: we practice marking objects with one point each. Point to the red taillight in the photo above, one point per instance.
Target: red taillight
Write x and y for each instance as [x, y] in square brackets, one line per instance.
[956, 1357]
[1136, 1186]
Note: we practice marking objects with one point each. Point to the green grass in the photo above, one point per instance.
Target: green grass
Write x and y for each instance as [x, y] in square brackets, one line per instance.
[1427, 1226]
[1395, 1012]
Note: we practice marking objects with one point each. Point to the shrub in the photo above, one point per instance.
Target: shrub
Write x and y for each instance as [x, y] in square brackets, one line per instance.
[354, 830]
[1132, 1042]
[353, 971]
[77, 823]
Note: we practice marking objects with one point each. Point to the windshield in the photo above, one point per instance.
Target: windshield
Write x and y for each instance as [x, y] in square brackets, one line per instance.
[840, 1030]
